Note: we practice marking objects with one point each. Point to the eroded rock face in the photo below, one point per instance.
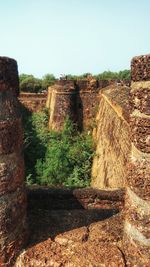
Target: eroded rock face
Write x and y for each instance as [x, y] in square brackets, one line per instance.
[113, 142]
[9, 75]
[140, 68]
[12, 191]
[123, 141]
[61, 103]
[33, 102]
[77, 100]
[137, 201]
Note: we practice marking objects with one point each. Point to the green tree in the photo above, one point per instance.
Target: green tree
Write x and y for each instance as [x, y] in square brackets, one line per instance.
[47, 80]
[71, 77]
[124, 75]
[107, 75]
[28, 83]
[86, 75]
[110, 75]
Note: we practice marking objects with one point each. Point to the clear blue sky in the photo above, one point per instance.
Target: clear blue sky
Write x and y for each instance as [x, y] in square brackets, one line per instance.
[74, 36]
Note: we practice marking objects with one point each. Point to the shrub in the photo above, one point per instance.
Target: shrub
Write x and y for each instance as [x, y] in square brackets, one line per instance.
[56, 159]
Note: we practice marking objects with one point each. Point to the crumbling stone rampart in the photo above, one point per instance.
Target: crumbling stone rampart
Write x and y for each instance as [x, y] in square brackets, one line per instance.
[75, 99]
[87, 102]
[140, 68]
[33, 102]
[123, 137]
[61, 103]
[12, 190]
[78, 100]
[112, 137]
[137, 201]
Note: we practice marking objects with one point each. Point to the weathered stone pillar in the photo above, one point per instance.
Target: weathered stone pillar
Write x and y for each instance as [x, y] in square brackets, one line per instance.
[12, 190]
[87, 103]
[62, 103]
[137, 202]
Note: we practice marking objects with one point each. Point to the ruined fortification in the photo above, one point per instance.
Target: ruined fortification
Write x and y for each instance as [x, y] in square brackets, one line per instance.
[78, 100]
[121, 170]
[112, 136]
[137, 200]
[32, 101]
[12, 189]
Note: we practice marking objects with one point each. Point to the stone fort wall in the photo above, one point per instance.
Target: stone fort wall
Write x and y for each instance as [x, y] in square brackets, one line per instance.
[77, 99]
[32, 101]
[112, 138]
[123, 140]
[137, 201]
[13, 231]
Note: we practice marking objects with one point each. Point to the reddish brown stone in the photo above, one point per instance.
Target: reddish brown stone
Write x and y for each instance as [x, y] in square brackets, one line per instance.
[137, 216]
[137, 226]
[11, 173]
[139, 178]
[9, 75]
[141, 100]
[33, 102]
[109, 230]
[12, 248]
[11, 136]
[140, 133]
[12, 211]
[12, 191]
[140, 68]
[136, 254]
[89, 254]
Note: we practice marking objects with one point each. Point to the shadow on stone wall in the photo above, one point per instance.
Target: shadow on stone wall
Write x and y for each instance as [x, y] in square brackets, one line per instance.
[79, 110]
[53, 211]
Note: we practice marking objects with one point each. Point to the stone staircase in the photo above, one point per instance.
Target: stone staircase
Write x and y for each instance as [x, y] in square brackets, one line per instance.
[73, 228]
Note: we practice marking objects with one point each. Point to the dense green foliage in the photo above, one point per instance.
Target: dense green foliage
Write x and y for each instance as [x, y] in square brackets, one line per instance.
[106, 75]
[109, 75]
[56, 159]
[48, 80]
[28, 83]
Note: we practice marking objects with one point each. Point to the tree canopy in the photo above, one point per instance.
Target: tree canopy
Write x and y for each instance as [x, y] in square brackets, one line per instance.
[29, 83]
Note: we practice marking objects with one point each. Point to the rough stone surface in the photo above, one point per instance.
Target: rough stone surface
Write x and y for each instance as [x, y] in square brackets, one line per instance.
[9, 79]
[140, 68]
[137, 201]
[109, 230]
[75, 240]
[86, 198]
[137, 254]
[88, 254]
[33, 102]
[77, 99]
[138, 169]
[113, 139]
[12, 191]
[141, 133]
[141, 96]
[80, 227]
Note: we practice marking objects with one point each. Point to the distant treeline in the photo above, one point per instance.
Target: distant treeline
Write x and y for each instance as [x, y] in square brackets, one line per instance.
[29, 83]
